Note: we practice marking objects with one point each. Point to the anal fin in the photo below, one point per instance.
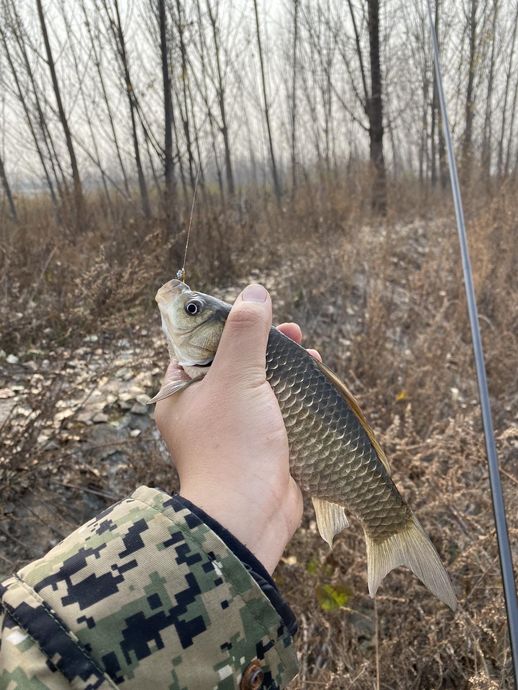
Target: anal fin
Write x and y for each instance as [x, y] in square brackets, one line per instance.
[331, 519]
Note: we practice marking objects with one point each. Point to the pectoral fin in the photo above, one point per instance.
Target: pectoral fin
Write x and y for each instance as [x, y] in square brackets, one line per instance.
[331, 519]
[171, 388]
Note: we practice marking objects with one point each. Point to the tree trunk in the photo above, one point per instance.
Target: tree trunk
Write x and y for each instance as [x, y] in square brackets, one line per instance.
[375, 112]
[203, 89]
[97, 62]
[469, 109]
[184, 113]
[435, 115]
[78, 190]
[61, 184]
[510, 138]
[293, 142]
[120, 47]
[96, 157]
[503, 128]
[7, 190]
[22, 97]
[276, 180]
[221, 101]
[170, 183]
[485, 159]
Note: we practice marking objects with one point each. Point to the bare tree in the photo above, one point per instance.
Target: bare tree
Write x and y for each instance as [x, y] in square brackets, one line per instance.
[119, 41]
[85, 103]
[293, 118]
[507, 91]
[467, 140]
[96, 53]
[203, 89]
[183, 99]
[438, 150]
[510, 138]
[370, 100]
[170, 183]
[220, 91]
[488, 118]
[78, 190]
[22, 97]
[7, 191]
[375, 112]
[39, 101]
[275, 175]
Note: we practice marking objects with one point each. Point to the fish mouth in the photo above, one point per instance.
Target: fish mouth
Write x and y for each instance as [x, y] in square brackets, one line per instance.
[171, 289]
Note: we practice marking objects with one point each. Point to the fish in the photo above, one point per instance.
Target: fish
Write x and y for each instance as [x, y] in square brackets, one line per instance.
[335, 456]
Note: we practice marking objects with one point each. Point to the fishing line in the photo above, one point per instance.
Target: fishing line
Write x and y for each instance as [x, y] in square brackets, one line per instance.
[504, 550]
[181, 273]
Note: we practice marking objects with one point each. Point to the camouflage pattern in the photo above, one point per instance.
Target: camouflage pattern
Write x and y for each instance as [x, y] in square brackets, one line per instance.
[143, 596]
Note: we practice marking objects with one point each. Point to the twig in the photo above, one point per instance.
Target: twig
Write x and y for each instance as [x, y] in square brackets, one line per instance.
[104, 494]
[508, 475]
[42, 273]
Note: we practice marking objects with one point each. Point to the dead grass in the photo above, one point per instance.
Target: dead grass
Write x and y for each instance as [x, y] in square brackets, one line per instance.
[384, 302]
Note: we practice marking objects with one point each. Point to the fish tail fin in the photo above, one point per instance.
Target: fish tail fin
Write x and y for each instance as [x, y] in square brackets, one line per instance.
[412, 548]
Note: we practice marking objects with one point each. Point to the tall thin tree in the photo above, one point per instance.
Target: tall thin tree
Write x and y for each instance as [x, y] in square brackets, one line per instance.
[375, 111]
[293, 113]
[119, 40]
[7, 191]
[169, 177]
[275, 174]
[78, 189]
[469, 106]
[221, 95]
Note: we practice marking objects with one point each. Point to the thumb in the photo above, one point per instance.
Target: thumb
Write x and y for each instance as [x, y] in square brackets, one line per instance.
[242, 348]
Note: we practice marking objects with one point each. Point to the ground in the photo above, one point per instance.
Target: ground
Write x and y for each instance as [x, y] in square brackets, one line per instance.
[77, 434]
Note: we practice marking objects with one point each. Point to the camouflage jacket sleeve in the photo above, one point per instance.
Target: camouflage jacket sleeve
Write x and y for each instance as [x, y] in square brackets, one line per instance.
[146, 595]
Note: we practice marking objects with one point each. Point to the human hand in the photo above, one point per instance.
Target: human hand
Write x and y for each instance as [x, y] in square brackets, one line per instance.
[227, 436]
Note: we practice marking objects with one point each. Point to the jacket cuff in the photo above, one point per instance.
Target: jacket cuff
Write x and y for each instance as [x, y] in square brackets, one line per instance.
[255, 568]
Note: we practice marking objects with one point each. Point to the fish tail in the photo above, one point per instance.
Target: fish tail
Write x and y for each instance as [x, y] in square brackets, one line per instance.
[412, 548]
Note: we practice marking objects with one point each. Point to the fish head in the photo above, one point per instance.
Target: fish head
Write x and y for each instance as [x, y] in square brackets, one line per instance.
[192, 323]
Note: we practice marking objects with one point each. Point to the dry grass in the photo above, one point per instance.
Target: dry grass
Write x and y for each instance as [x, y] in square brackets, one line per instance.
[384, 303]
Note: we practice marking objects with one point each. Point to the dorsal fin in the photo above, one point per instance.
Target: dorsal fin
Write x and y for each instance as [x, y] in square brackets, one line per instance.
[353, 404]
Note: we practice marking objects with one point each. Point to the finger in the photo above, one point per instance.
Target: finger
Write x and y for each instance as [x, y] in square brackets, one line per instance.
[315, 353]
[291, 330]
[242, 348]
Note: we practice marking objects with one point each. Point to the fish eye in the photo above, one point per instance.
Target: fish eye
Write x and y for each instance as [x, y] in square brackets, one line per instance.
[193, 307]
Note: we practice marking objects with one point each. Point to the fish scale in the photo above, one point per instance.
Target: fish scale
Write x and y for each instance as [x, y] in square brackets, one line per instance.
[331, 456]
[334, 454]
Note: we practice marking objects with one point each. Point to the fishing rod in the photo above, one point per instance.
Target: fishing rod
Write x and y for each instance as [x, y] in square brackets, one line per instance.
[504, 549]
